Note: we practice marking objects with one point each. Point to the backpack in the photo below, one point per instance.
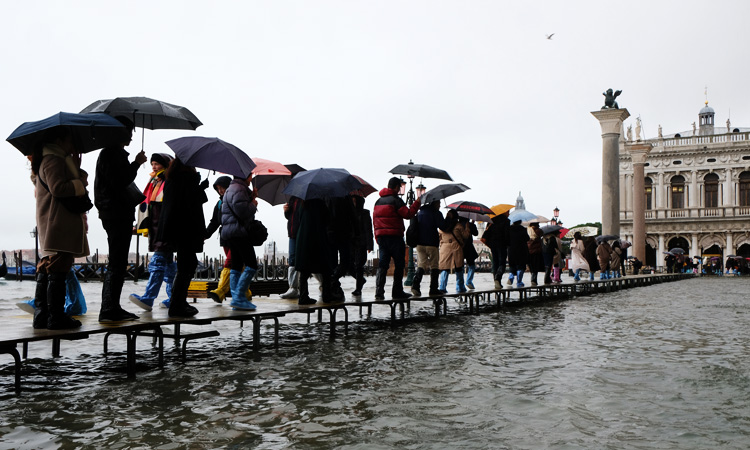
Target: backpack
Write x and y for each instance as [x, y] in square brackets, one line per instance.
[412, 233]
[258, 233]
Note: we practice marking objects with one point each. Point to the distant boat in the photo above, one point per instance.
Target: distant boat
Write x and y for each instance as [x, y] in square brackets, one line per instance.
[28, 271]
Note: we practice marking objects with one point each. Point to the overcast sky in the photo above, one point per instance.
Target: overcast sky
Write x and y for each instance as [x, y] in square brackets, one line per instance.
[473, 87]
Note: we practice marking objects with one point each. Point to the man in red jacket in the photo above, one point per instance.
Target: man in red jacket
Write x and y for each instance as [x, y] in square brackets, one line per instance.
[388, 220]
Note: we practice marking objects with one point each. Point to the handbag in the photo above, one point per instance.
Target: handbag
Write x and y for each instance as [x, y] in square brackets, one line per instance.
[134, 195]
[77, 205]
[257, 232]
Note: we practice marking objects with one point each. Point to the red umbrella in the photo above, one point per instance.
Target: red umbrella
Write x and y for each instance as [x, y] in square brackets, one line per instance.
[366, 188]
[267, 167]
[472, 207]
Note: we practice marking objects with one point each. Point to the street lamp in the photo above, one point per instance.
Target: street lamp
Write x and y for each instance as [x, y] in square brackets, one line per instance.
[411, 197]
[556, 215]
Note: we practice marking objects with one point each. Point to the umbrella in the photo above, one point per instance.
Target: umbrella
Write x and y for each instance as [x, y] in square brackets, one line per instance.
[677, 251]
[474, 216]
[322, 183]
[90, 131]
[732, 256]
[607, 237]
[585, 231]
[500, 209]
[268, 167]
[365, 190]
[668, 253]
[547, 229]
[147, 113]
[420, 170]
[522, 215]
[270, 187]
[541, 219]
[564, 232]
[472, 207]
[212, 154]
[442, 191]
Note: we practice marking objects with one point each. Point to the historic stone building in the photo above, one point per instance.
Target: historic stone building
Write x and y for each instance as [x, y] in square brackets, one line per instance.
[697, 190]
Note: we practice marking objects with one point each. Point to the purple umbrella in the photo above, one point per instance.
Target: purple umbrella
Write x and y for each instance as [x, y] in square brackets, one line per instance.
[212, 154]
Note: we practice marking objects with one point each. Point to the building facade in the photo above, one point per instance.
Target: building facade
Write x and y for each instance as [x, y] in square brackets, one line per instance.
[697, 191]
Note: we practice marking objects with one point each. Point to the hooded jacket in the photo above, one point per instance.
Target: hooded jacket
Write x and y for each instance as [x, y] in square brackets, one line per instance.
[389, 213]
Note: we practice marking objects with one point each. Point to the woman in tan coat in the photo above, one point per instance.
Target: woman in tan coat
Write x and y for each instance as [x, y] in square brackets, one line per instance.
[453, 235]
[604, 255]
[61, 226]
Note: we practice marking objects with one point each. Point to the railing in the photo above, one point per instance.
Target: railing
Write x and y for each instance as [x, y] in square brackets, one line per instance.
[683, 213]
[697, 140]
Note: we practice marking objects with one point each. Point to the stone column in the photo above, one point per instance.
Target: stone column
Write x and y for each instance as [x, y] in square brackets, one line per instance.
[611, 122]
[638, 154]
[660, 252]
[730, 245]
[694, 246]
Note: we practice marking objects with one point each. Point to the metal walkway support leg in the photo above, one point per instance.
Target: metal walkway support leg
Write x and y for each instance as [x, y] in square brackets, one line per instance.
[13, 351]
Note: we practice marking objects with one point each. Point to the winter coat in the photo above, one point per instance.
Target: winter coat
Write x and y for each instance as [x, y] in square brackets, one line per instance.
[470, 252]
[496, 234]
[429, 220]
[589, 252]
[518, 249]
[604, 255]
[292, 215]
[389, 214]
[451, 247]
[237, 211]
[535, 240]
[58, 229]
[215, 222]
[615, 259]
[550, 250]
[363, 239]
[113, 176]
[314, 253]
[343, 227]
[154, 193]
[578, 261]
[181, 223]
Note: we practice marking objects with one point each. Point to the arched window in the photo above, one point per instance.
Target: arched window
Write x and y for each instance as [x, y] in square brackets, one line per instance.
[678, 192]
[649, 194]
[711, 183]
[745, 189]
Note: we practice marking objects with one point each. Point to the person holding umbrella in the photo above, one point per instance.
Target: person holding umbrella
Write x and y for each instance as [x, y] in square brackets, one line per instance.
[518, 251]
[363, 242]
[496, 238]
[604, 254]
[453, 235]
[470, 252]
[62, 231]
[292, 211]
[388, 220]
[578, 261]
[429, 219]
[536, 260]
[182, 228]
[114, 175]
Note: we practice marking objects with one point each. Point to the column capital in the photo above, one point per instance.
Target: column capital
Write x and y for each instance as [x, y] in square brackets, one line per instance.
[611, 120]
[639, 152]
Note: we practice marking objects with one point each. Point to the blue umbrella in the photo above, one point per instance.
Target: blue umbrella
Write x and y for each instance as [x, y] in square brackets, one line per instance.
[522, 215]
[90, 131]
[212, 154]
[322, 183]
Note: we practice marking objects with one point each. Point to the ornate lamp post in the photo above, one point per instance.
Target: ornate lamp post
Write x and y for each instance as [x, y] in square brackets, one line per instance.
[555, 215]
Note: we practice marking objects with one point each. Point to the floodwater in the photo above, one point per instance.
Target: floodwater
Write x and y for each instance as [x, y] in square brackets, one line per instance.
[658, 367]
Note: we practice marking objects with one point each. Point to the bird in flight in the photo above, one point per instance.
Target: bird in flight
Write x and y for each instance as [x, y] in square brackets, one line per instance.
[549, 36]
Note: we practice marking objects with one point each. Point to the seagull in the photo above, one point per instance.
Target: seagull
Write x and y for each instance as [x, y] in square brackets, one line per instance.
[549, 36]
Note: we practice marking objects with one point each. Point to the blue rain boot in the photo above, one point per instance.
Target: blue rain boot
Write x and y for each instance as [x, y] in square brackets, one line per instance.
[591, 276]
[239, 301]
[510, 279]
[169, 274]
[156, 268]
[470, 276]
[75, 303]
[443, 285]
[27, 306]
[603, 275]
[460, 288]
[519, 279]
[577, 276]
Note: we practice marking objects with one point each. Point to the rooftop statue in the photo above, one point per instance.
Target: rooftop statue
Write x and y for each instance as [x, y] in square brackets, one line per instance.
[609, 99]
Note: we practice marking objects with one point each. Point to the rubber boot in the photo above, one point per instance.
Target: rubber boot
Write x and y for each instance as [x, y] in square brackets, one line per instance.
[332, 292]
[111, 311]
[510, 279]
[41, 311]
[220, 293]
[603, 275]
[304, 294]
[319, 278]
[534, 278]
[239, 301]
[416, 281]
[556, 277]
[156, 268]
[442, 287]
[75, 303]
[293, 278]
[178, 305]
[434, 280]
[380, 283]
[592, 276]
[460, 287]
[57, 319]
[360, 281]
[470, 276]
[519, 278]
[397, 290]
[577, 276]
[170, 273]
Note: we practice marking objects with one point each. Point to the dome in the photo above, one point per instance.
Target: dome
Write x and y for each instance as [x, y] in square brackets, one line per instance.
[706, 110]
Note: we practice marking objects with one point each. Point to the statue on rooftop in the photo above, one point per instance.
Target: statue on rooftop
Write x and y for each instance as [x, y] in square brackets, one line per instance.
[609, 99]
[638, 129]
[660, 135]
[630, 133]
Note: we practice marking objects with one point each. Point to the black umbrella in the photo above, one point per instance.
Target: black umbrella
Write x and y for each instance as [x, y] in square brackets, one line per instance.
[212, 154]
[270, 187]
[90, 131]
[442, 191]
[677, 251]
[420, 170]
[147, 113]
[547, 229]
[607, 237]
[322, 183]
[472, 207]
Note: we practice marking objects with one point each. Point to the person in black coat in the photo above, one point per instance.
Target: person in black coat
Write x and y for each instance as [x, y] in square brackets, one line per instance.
[518, 251]
[313, 251]
[470, 252]
[589, 252]
[342, 229]
[182, 226]
[363, 241]
[496, 238]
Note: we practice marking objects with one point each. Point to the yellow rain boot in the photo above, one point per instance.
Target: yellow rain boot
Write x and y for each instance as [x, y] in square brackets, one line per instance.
[221, 291]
